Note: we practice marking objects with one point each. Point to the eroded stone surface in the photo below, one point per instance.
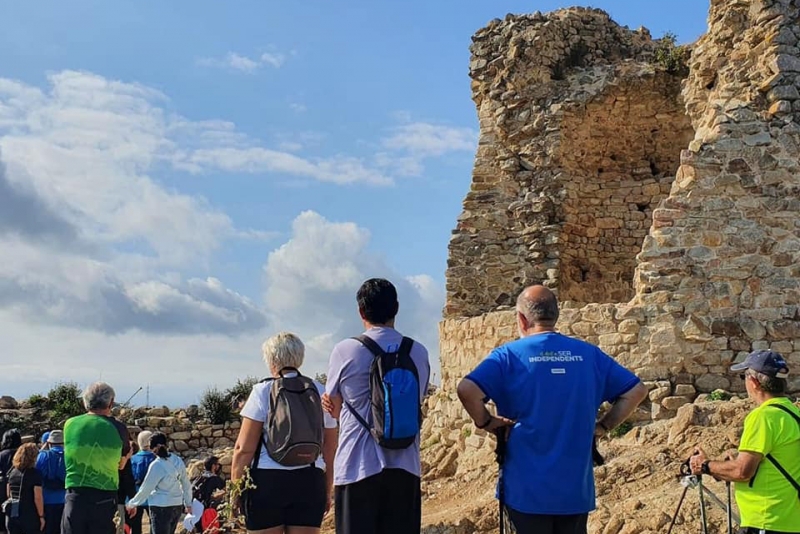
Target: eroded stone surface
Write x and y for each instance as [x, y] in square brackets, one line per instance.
[663, 211]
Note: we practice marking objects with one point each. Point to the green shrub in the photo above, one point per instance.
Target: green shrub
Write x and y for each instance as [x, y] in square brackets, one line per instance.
[65, 401]
[37, 401]
[240, 391]
[621, 430]
[215, 405]
[673, 58]
[719, 395]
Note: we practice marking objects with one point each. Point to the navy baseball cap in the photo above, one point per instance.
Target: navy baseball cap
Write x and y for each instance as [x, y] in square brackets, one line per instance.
[766, 362]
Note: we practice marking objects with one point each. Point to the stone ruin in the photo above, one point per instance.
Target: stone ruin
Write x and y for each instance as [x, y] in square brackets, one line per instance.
[660, 201]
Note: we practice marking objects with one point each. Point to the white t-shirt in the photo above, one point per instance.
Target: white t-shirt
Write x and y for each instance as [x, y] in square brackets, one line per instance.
[257, 409]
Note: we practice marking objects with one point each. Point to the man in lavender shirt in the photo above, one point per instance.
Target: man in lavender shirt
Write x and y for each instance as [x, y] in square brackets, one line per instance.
[377, 490]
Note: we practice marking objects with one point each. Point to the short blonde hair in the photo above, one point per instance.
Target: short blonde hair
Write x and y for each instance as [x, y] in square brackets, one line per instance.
[283, 350]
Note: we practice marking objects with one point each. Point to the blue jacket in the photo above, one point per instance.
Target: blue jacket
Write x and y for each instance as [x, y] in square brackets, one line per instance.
[140, 463]
[50, 463]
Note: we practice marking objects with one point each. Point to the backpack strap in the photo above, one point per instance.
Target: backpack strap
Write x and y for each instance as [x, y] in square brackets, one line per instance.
[772, 459]
[376, 351]
[405, 346]
[370, 343]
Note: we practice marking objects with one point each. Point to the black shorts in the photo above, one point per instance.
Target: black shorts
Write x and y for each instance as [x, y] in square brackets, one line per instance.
[386, 503]
[293, 498]
[548, 524]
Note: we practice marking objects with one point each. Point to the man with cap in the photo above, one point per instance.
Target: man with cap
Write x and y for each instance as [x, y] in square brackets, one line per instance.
[766, 470]
[50, 463]
[44, 443]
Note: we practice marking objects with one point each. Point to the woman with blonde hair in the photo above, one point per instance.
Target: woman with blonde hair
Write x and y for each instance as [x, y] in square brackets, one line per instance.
[25, 511]
[288, 499]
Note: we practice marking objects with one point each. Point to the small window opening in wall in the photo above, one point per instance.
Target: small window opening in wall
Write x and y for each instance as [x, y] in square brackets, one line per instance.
[613, 157]
[642, 206]
[584, 274]
[654, 170]
[712, 83]
[600, 170]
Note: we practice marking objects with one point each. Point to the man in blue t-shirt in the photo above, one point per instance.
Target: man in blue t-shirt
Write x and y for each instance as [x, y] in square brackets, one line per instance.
[50, 464]
[547, 388]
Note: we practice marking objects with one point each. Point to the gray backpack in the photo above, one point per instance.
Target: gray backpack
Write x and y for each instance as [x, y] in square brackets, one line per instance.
[295, 422]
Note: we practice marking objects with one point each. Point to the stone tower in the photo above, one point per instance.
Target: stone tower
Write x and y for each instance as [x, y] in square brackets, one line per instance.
[658, 197]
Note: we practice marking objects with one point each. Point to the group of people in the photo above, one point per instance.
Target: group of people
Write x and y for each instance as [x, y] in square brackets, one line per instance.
[353, 444]
[83, 477]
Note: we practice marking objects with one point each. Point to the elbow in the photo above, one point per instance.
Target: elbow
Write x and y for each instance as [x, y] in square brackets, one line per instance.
[639, 393]
[745, 472]
[463, 389]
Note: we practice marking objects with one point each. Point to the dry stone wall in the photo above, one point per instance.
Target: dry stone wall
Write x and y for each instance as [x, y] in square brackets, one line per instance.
[191, 438]
[660, 205]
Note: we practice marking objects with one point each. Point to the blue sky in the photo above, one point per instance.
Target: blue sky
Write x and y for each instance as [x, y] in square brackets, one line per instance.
[211, 174]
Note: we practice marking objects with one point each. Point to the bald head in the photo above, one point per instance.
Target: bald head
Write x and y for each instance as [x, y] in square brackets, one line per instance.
[539, 305]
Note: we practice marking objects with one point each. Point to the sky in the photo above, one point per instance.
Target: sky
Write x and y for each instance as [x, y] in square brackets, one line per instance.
[181, 180]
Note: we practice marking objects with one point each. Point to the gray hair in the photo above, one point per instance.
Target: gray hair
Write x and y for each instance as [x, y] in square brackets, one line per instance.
[538, 310]
[143, 439]
[98, 396]
[769, 384]
[283, 350]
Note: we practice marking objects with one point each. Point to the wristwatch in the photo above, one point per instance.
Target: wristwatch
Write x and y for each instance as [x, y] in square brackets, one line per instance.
[704, 468]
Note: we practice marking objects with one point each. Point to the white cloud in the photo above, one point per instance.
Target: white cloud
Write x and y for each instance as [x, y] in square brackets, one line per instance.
[426, 139]
[338, 169]
[241, 63]
[106, 270]
[273, 59]
[312, 281]
[298, 108]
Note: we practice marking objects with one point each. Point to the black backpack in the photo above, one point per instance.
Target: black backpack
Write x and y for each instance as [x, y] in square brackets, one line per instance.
[394, 395]
[295, 423]
[199, 489]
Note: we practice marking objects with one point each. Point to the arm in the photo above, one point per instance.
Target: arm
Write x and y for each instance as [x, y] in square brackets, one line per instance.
[332, 400]
[472, 397]
[622, 408]
[332, 405]
[39, 502]
[329, 442]
[149, 484]
[740, 469]
[245, 448]
[187, 489]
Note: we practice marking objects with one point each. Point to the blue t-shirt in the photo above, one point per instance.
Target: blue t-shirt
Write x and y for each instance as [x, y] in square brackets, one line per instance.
[552, 386]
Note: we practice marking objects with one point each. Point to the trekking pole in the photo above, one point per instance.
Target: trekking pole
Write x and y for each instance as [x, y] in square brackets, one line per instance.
[730, 511]
[500, 456]
[678, 509]
[702, 505]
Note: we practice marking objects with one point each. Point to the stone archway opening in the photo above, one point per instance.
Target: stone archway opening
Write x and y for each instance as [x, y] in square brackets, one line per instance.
[619, 155]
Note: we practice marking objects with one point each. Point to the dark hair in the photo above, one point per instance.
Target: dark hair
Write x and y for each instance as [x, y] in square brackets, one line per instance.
[377, 301]
[210, 462]
[12, 439]
[770, 384]
[158, 445]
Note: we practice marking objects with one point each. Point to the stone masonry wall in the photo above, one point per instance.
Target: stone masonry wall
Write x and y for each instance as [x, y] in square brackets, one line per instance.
[191, 438]
[710, 267]
[580, 139]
